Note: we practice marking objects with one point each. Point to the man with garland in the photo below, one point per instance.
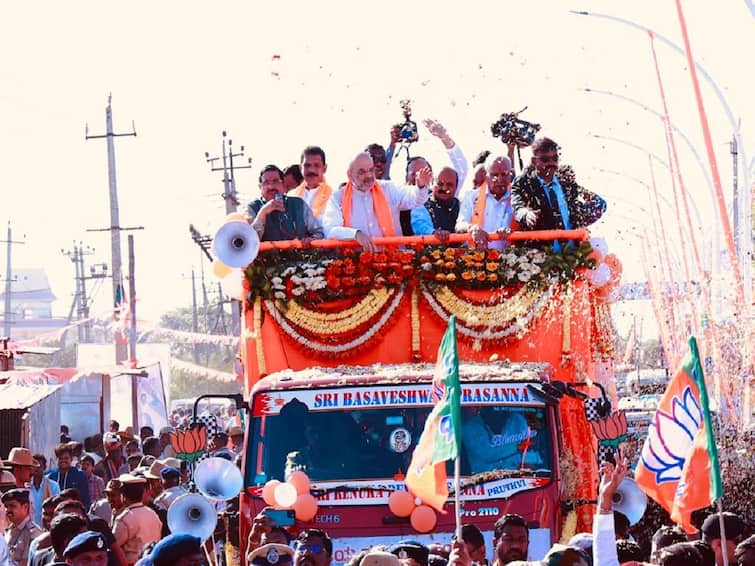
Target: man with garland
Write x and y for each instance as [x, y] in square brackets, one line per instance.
[547, 197]
[366, 208]
[276, 216]
[489, 209]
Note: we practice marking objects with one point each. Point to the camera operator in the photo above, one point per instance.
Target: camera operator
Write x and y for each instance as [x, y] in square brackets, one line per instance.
[547, 197]
[275, 216]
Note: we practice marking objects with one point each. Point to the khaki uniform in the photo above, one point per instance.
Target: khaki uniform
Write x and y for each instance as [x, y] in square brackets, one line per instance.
[134, 528]
[18, 539]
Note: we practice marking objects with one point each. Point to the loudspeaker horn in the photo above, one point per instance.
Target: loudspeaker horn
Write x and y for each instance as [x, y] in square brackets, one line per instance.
[192, 514]
[236, 244]
[630, 500]
[218, 479]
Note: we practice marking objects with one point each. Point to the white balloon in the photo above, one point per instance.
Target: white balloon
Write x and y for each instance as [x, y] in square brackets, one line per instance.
[285, 495]
[599, 244]
[598, 277]
[233, 285]
[614, 295]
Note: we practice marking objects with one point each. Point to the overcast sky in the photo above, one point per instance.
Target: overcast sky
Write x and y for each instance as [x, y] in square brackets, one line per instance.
[281, 75]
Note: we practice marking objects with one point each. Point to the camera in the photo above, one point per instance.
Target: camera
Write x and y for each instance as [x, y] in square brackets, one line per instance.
[512, 129]
[409, 132]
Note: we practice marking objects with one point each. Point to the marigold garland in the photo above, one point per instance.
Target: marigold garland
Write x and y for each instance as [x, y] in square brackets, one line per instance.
[257, 315]
[339, 322]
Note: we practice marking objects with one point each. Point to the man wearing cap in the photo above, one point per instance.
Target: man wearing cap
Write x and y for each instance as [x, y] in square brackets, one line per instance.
[114, 464]
[137, 525]
[313, 548]
[379, 558]
[172, 489]
[178, 550]
[21, 463]
[271, 555]
[22, 529]
[111, 505]
[86, 549]
[734, 531]
[69, 476]
[167, 448]
[411, 552]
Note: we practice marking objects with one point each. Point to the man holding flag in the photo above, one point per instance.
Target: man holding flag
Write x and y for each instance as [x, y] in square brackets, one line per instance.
[441, 439]
[679, 463]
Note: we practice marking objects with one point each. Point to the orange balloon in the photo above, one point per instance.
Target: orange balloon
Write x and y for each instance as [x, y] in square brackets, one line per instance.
[305, 507]
[614, 265]
[268, 492]
[300, 481]
[423, 519]
[220, 269]
[401, 503]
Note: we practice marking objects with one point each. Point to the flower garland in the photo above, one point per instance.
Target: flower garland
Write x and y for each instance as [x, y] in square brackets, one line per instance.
[492, 322]
[323, 348]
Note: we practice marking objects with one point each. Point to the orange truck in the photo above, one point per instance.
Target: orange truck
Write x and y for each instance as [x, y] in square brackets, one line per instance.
[338, 348]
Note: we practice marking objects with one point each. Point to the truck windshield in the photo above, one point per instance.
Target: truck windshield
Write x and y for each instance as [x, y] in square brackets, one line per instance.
[370, 443]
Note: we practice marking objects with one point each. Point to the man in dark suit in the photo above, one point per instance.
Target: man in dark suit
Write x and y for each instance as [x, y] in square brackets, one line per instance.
[547, 197]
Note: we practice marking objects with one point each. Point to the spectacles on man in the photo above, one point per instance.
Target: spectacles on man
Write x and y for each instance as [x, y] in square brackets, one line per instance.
[305, 547]
[548, 158]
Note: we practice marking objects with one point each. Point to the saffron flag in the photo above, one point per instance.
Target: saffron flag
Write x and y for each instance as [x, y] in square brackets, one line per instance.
[441, 438]
[679, 462]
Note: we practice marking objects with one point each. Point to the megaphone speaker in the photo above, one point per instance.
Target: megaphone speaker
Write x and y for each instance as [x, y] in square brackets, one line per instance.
[630, 500]
[192, 514]
[218, 478]
[236, 244]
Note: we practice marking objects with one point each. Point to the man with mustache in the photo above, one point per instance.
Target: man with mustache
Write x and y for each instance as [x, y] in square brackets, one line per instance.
[547, 197]
[366, 208]
[22, 529]
[313, 548]
[511, 539]
[314, 190]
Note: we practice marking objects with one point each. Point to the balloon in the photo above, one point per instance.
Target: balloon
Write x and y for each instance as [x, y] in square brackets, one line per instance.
[614, 294]
[401, 503]
[300, 481]
[600, 245]
[233, 284]
[220, 269]
[423, 519]
[268, 492]
[305, 507]
[285, 495]
[598, 277]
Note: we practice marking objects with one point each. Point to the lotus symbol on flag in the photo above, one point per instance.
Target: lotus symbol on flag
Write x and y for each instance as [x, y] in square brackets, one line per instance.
[670, 437]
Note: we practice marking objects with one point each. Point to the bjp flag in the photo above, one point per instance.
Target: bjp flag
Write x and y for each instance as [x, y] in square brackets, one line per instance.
[679, 463]
[441, 438]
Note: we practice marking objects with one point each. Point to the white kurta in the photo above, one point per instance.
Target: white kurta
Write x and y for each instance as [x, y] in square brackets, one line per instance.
[498, 214]
[363, 216]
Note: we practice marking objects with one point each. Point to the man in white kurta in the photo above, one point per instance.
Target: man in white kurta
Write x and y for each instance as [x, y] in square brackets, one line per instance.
[364, 223]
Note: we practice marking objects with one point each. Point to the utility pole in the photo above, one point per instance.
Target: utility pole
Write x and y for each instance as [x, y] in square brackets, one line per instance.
[115, 228]
[132, 333]
[80, 299]
[735, 196]
[194, 325]
[230, 196]
[204, 242]
[8, 315]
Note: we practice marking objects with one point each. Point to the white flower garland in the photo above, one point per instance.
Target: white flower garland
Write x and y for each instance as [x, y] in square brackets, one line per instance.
[518, 324]
[339, 348]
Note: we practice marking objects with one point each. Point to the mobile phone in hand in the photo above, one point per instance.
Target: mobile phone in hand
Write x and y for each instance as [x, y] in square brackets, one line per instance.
[281, 517]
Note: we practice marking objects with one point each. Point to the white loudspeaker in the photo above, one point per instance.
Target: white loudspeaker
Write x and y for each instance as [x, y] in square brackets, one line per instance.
[630, 500]
[192, 514]
[218, 478]
[236, 244]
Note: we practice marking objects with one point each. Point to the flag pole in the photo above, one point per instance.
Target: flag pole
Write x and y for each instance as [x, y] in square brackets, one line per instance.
[724, 552]
[457, 483]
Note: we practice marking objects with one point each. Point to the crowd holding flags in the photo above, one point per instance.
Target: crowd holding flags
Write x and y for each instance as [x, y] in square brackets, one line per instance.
[678, 465]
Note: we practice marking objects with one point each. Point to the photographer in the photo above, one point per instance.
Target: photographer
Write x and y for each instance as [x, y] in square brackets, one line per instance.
[277, 217]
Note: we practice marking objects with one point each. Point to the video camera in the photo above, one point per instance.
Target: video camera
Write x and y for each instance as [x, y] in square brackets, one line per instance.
[409, 132]
[512, 129]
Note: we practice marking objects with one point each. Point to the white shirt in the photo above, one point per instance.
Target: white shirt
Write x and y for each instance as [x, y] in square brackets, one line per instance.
[3, 552]
[604, 540]
[363, 216]
[460, 165]
[308, 195]
[498, 214]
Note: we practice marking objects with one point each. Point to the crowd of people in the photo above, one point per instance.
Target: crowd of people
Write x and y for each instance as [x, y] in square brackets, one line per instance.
[106, 501]
[298, 203]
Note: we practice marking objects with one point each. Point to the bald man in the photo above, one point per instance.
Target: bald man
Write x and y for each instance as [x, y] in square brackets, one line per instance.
[488, 210]
[366, 208]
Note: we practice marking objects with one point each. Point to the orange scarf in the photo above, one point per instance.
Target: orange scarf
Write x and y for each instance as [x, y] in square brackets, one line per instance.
[478, 216]
[379, 204]
[321, 199]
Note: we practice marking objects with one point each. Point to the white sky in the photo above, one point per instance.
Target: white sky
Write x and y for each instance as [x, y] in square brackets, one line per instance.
[185, 71]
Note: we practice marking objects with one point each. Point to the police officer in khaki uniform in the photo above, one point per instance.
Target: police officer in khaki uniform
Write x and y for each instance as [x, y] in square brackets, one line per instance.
[136, 525]
[22, 529]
